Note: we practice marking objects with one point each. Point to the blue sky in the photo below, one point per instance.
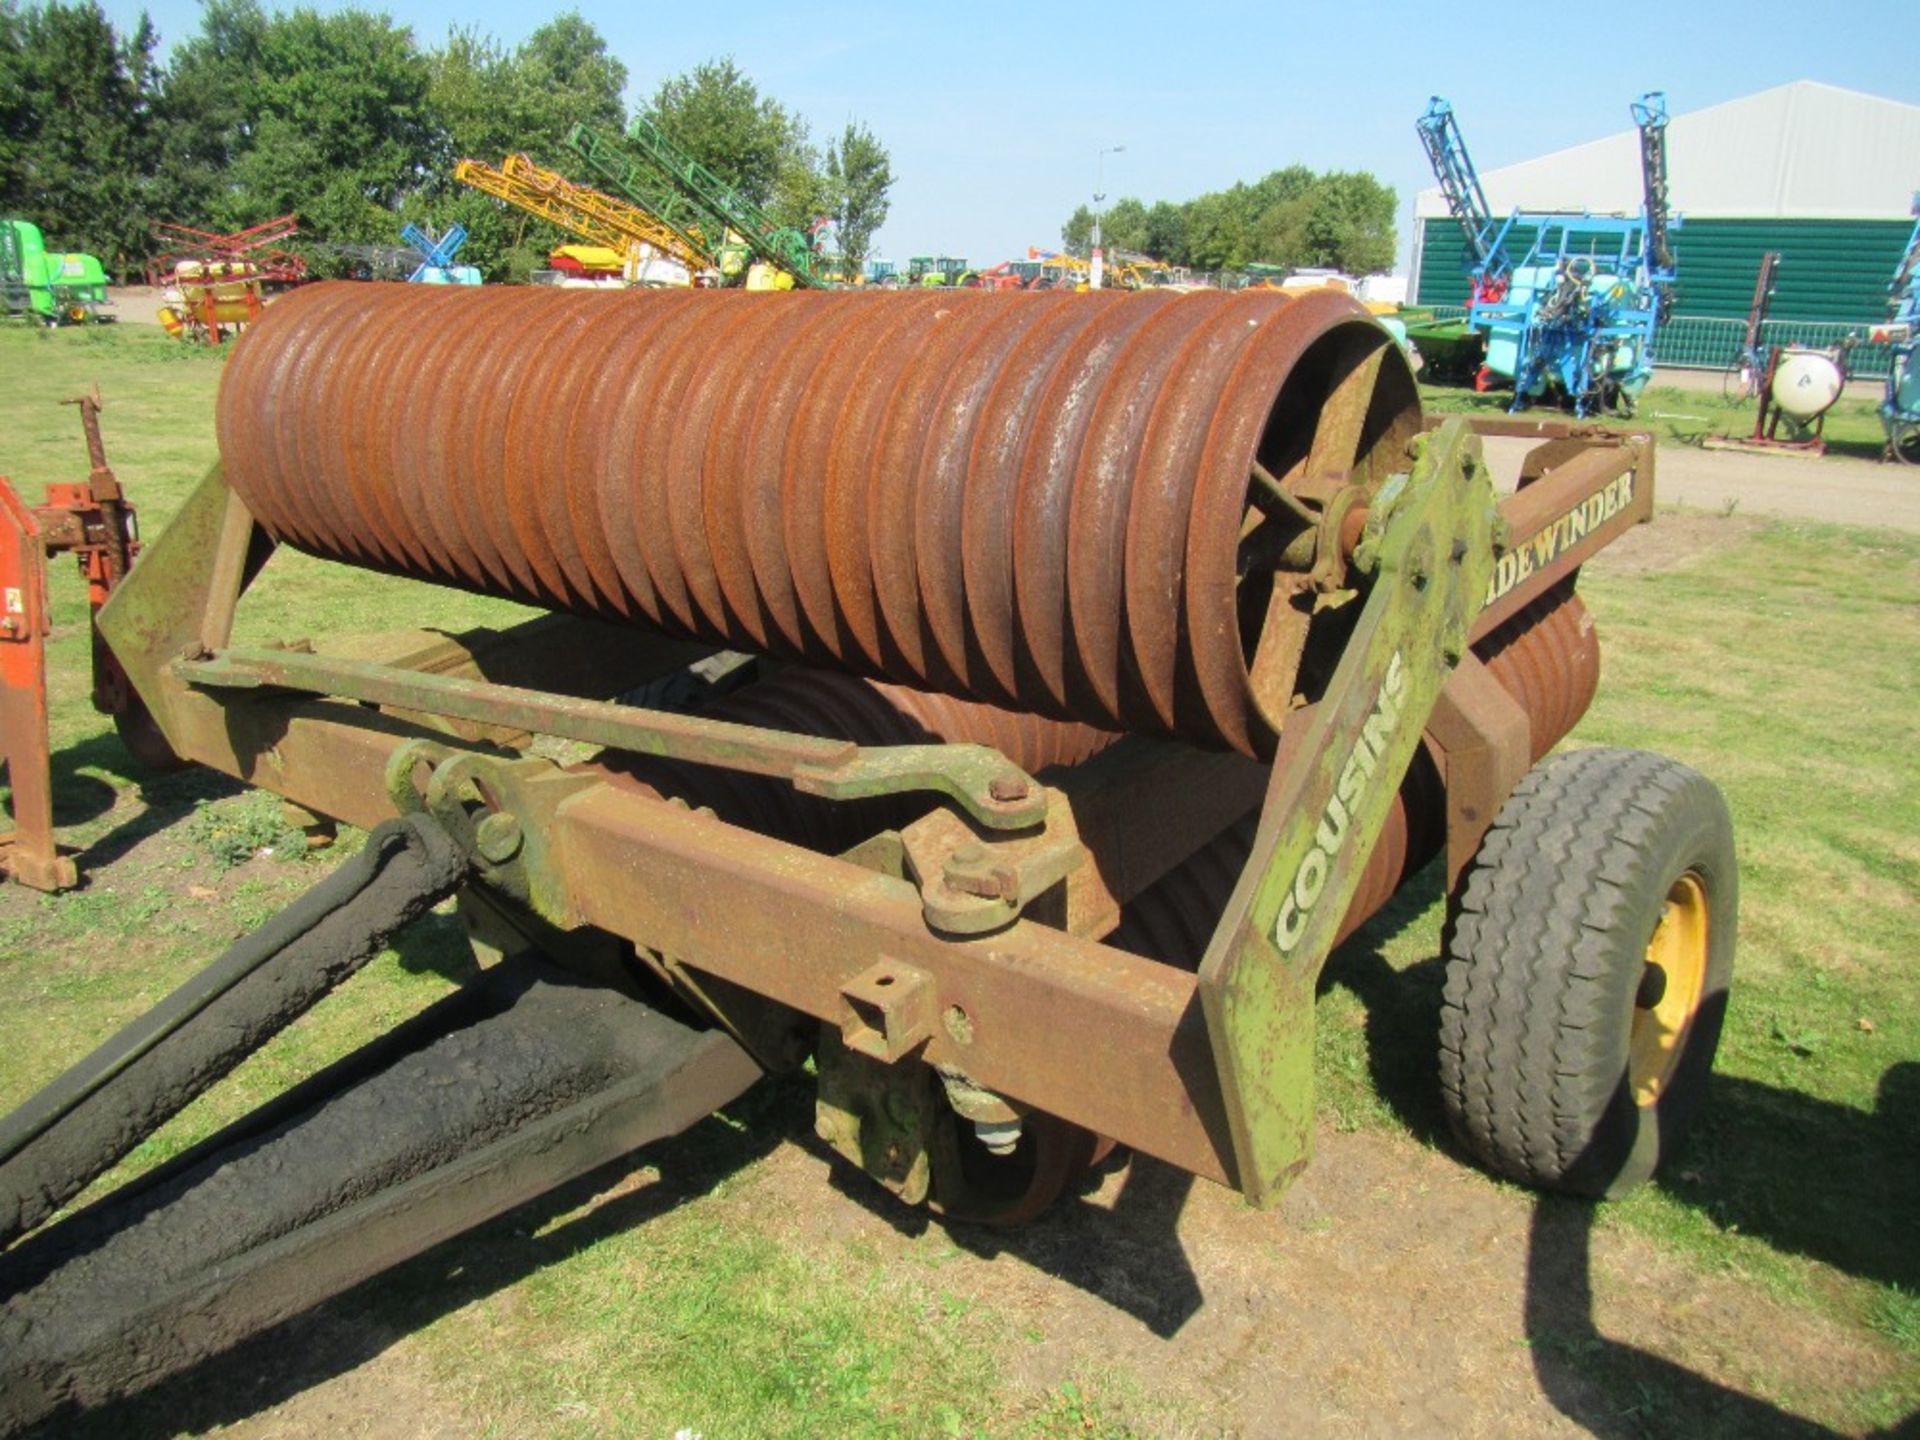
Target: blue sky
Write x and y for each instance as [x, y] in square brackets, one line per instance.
[995, 115]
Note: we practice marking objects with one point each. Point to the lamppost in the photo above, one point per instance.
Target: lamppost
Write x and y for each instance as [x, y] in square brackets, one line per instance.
[1099, 197]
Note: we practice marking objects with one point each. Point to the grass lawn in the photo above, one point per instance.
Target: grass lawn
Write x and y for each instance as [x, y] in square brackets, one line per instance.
[1778, 659]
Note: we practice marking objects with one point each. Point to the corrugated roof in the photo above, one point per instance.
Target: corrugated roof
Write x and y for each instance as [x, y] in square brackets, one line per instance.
[1804, 150]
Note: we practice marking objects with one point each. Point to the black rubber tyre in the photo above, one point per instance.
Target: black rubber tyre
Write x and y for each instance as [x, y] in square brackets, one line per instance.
[1545, 1077]
[1904, 443]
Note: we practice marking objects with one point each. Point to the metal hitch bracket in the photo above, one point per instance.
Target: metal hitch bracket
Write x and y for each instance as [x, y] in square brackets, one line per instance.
[1429, 546]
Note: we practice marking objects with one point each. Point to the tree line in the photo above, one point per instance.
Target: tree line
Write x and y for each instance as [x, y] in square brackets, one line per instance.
[1294, 218]
[343, 119]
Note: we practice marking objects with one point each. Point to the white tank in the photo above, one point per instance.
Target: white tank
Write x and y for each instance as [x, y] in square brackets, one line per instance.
[1806, 383]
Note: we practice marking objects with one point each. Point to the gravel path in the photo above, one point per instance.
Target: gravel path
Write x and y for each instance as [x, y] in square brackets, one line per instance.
[1797, 487]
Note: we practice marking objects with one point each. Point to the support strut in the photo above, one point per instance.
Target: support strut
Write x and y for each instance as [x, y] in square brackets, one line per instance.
[1429, 547]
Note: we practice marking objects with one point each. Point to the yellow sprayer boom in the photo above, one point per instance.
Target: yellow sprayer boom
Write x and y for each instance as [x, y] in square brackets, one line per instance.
[595, 217]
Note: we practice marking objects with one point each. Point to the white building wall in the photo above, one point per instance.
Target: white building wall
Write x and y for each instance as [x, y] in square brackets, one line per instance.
[1804, 150]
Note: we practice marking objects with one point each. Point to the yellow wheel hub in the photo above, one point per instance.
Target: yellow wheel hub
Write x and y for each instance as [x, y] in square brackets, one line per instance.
[1670, 989]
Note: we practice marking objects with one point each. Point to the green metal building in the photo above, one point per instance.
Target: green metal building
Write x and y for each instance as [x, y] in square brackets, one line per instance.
[1825, 176]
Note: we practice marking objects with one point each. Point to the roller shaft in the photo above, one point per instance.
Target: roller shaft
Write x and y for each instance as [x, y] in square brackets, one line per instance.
[1031, 500]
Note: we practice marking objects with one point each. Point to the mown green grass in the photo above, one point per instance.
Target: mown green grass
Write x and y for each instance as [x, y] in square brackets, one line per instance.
[1679, 416]
[1779, 663]
[1782, 666]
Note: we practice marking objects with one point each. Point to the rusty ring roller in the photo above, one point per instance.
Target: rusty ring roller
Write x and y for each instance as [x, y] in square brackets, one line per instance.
[1036, 501]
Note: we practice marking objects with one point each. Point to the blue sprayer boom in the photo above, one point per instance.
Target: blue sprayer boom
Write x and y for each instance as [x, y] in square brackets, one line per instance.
[1466, 201]
[1900, 408]
[1575, 318]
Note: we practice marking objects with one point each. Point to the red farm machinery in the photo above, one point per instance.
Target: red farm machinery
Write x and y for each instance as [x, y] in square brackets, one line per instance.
[93, 521]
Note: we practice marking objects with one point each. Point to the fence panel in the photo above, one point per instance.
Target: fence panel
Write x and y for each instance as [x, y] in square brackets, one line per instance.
[1699, 342]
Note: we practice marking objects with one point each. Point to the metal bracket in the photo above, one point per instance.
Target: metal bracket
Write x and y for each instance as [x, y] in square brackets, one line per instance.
[880, 1116]
[890, 1010]
[1429, 547]
[990, 788]
[499, 811]
[971, 886]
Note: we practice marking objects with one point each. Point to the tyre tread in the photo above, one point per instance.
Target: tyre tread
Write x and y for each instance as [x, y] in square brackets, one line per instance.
[1532, 941]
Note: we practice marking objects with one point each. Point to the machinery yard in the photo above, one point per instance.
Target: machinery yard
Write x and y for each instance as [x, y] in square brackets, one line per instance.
[621, 816]
[1764, 1286]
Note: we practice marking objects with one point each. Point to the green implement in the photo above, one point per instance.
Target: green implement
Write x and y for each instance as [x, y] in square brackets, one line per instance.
[696, 202]
[45, 286]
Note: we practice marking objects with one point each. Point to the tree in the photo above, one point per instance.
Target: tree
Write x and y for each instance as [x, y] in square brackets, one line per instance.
[1076, 236]
[718, 115]
[326, 116]
[859, 175]
[1166, 237]
[802, 193]
[1216, 233]
[487, 102]
[565, 67]
[203, 113]
[1123, 226]
[474, 95]
[343, 125]
[76, 128]
[17, 127]
[1350, 224]
[341, 119]
[1290, 217]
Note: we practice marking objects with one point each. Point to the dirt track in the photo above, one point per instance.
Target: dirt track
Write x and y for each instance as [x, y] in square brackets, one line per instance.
[1395, 1292]
[1796, 487]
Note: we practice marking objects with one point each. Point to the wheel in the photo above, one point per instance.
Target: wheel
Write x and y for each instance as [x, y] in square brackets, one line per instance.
[1589, 950]
[972, 1184]
[140, 733]
[1903, 442]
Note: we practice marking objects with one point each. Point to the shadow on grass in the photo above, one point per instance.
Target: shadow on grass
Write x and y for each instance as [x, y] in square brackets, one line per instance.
[167, 797]
[1128, 1255]
[1775, 1163]
[359, 1324]
[1610, 1387]
[1809, 1177]
[1704, 414]
[1874, 450]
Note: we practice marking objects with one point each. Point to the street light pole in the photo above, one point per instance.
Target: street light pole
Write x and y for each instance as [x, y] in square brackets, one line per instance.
[1099, 197]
